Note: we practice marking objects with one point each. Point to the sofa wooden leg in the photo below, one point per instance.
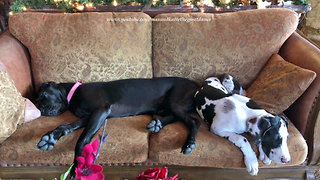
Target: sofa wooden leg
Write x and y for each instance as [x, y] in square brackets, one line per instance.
[313, 174]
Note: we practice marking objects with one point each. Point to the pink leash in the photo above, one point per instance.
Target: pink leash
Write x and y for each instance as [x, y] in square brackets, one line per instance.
[73, 89]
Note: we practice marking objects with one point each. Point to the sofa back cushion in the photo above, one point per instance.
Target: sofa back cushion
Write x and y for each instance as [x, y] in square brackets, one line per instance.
[200, 45]
[85, 46]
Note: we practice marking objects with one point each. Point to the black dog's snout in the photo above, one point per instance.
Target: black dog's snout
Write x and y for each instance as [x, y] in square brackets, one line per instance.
[42, 111]
[43, 95]
[42, 98]
[49, 111]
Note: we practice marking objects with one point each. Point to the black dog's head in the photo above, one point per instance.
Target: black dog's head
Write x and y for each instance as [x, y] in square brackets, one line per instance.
[231, 84]
[52, 99]
[272, 133]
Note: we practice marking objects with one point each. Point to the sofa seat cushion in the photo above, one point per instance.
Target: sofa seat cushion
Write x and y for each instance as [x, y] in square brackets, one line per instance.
[212, 150]
[127, 142]
[238, 43]
[85, 46]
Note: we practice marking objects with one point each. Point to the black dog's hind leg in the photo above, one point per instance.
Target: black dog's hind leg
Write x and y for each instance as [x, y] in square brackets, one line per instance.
[181, 104]
[48, 141]
[193, 124]
[94, 123]
[158, 123]
[192, 121]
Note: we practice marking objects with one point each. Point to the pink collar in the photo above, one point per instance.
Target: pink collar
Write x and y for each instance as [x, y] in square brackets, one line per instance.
[73, 89]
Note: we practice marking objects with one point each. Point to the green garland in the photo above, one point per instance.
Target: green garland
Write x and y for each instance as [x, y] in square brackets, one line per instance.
[230, 4]
[299, 2]
[20, 5]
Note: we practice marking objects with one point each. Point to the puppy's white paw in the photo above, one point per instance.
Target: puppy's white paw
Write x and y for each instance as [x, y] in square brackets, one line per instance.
[252, 165]
[265, 160]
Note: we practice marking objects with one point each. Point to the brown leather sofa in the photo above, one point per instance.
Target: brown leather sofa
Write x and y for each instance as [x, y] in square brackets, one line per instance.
[99, 47]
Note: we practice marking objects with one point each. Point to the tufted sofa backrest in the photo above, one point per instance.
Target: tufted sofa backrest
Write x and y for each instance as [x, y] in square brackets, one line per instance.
[85, 46]
[108, 46]
[200, 45]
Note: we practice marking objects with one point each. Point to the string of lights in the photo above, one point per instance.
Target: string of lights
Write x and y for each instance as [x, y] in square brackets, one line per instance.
[81, 5]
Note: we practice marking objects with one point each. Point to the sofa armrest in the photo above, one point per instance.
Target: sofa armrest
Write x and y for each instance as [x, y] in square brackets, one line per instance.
[315, 142]
[304, 113]
[16, 59]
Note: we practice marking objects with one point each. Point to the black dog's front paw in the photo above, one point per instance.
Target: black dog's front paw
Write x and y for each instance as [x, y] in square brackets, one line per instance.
[47, 142]
[154, 126]
[188, 147]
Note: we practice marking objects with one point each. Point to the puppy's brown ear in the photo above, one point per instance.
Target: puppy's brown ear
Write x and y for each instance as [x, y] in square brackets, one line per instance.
[253, 120]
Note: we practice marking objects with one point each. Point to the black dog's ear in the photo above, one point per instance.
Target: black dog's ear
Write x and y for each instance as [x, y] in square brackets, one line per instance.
[63, 94]
[45, 85]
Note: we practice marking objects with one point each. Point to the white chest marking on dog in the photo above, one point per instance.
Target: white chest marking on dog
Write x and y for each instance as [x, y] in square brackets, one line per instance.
[208, 103]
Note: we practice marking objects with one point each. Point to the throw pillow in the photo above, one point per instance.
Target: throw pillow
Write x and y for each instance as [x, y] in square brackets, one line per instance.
[279, 84]
[31, 112]
[14, 109]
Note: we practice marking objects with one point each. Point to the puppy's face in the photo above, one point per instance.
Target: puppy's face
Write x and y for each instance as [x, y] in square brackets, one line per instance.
[231, 84]
[274, 136]
[52, 99]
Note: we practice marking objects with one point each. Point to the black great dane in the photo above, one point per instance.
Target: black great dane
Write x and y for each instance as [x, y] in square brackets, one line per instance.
[170, 97]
